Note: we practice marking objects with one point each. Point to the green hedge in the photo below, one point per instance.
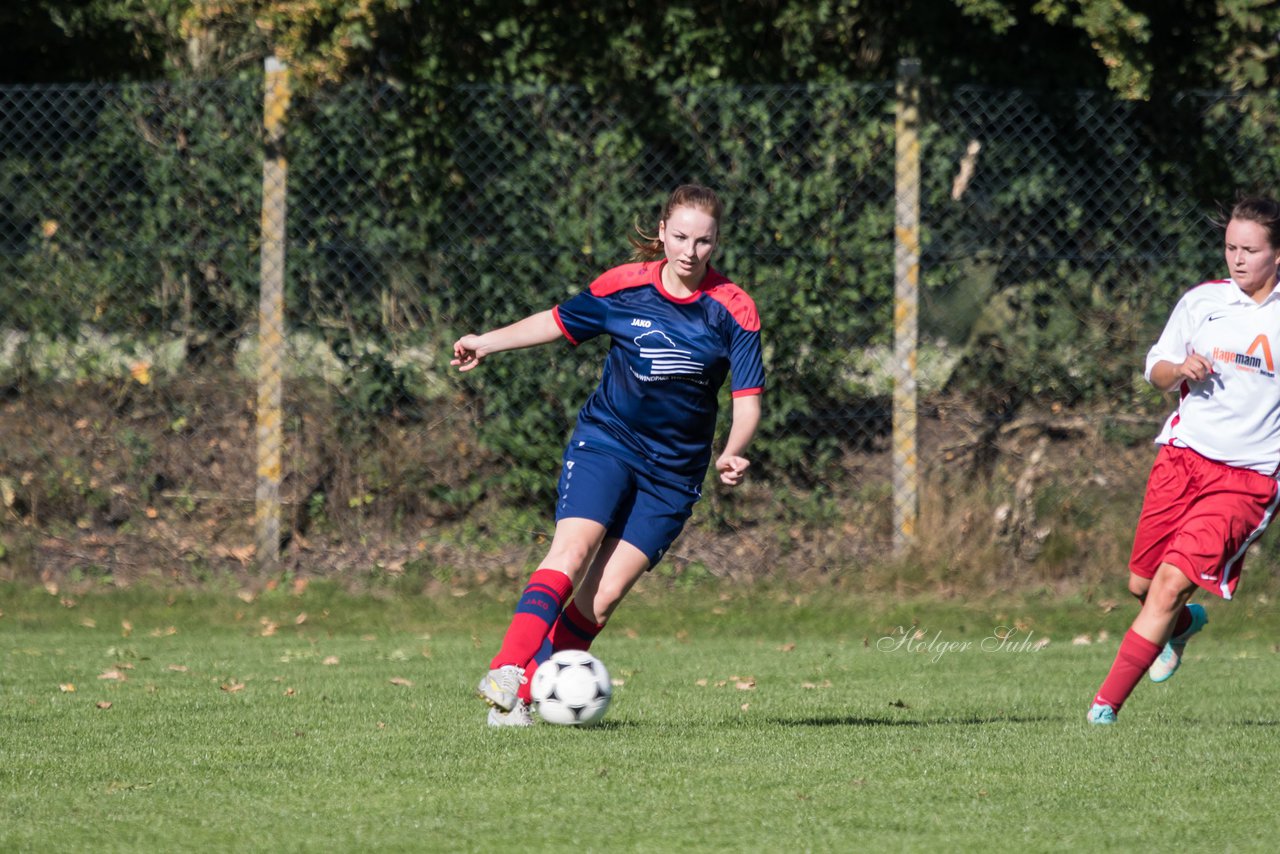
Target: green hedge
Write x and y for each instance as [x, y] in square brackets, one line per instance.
[135, 210]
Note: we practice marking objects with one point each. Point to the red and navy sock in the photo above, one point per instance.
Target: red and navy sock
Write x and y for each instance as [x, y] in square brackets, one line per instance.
[1136, 655]
[572, 630]
[536, 613]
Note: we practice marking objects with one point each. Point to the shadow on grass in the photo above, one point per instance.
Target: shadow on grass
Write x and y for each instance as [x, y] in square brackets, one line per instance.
[854, 720]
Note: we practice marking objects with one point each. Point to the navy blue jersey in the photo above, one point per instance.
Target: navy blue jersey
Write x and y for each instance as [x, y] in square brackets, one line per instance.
[657, 398]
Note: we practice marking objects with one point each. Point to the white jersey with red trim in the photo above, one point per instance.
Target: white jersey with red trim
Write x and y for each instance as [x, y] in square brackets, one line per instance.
[1233, 416]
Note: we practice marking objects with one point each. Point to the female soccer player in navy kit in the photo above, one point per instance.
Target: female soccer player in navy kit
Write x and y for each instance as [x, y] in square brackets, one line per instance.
[1212, 489]
[637, 458]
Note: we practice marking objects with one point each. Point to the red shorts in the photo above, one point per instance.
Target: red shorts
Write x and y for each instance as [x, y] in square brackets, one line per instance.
[1201, 516]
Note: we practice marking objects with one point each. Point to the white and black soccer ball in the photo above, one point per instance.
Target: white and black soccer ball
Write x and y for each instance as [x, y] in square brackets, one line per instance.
[571, 688]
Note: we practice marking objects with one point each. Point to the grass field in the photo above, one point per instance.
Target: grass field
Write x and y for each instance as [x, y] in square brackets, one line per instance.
[756, 720]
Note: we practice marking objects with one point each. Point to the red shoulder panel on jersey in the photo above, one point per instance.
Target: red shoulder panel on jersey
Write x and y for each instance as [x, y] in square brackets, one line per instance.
[620, 278]
[735, 299]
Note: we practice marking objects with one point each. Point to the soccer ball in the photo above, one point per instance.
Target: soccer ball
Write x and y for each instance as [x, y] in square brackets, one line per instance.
[571, 688]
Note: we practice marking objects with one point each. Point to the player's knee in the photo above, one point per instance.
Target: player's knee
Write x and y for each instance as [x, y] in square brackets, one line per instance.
[1170, 589]
[569, 557]
[606, 601]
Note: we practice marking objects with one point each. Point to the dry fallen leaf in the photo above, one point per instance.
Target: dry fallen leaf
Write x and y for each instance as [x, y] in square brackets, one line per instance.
[748, 684]
[397, 680]
[1081, 640]
[126, 628]
[300, 619]
[787, 647]
[67, 688]
[113, 675]
[701, 683]
[178, 668]
[103, 704]
[330, 659]
[289, 692]
[268, 628]
[233, 687]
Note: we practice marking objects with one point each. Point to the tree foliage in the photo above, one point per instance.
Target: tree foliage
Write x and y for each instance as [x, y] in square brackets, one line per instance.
[1137, 48]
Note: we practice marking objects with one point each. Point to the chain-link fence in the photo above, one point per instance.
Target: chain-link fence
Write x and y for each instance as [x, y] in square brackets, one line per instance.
[136, 234]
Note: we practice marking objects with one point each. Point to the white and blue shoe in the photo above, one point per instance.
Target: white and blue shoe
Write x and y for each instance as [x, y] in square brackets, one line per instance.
[1171, 656]
[1101, 714]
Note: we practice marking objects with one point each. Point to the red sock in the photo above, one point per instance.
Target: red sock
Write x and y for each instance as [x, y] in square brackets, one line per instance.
[572, 630]
[536, 612]
[1135, 656]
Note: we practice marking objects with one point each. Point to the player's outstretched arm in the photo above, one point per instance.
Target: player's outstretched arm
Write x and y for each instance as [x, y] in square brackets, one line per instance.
[731, 465]
[540, 328]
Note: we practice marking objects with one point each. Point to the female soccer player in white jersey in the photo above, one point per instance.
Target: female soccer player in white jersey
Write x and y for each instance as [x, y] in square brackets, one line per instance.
[637, 458]
[1212, 490]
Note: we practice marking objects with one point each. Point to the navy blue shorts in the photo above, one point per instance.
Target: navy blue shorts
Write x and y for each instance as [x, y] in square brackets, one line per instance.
[632, 504]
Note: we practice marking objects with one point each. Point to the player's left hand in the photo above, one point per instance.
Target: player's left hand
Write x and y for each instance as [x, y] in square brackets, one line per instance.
[732, 469]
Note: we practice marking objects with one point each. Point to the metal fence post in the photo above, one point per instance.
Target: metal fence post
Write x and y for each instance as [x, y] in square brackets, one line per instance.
[270, 423]
[906, 254]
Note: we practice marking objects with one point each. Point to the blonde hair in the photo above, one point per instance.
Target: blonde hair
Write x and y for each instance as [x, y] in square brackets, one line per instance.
[647, 247]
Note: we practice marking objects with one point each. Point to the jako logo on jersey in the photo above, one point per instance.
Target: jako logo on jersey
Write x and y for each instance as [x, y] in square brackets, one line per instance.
[665, 359]
[1247, 361]
[644, 324]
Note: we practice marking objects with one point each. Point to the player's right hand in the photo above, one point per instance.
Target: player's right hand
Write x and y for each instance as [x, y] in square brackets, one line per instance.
[1196, 368]
[466, 352]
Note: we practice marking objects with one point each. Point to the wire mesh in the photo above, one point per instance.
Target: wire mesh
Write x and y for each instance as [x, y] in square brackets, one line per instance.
[1056, 231]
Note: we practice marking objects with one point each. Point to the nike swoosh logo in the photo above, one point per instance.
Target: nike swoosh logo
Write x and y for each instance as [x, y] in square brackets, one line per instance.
[1214, 317]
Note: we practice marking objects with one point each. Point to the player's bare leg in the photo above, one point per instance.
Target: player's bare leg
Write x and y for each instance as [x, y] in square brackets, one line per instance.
[616, 569]
[573, 545]
[1165, 598]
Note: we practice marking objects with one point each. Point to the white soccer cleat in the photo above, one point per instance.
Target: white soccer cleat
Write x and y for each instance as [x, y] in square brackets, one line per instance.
[499, 686]
[518, 716]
